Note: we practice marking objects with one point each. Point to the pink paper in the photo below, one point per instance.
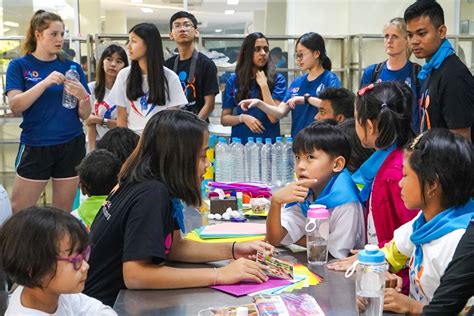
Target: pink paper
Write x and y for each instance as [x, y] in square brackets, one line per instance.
[244, 288]
[235, 228]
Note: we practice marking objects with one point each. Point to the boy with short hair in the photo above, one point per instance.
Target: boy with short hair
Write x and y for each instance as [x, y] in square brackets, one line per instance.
[197, 73]
[337, 104]
[321, 152]
[97, 177]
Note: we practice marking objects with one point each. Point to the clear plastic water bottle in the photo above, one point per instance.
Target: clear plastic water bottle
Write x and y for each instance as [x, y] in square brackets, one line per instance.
[247, 153]
[70, 101]
[252, 161]
[266, 162]
[370, 270]
[238, 160]
[222, 163]
[317, 234]
[277, 163]
[288, 161]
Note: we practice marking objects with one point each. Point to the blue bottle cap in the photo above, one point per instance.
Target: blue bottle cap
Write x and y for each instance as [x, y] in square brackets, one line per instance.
[279, 139]
[237, 140]
[268, 140]
[289, 139]
[73, 67]
[222, 140]
[259, 139]
[233, 139]
[371, 254]
[212, 140]
[250, 139]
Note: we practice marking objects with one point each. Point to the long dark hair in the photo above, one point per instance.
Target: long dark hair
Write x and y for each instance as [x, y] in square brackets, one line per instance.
[389, 105]
[168, 151]
[315, 42]
[99, 90]
[244, 68]
[157, 83]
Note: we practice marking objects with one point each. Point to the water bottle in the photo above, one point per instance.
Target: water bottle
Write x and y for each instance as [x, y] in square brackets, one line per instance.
[222, 163]
[317, 234]
[238, 161]
[247, 154]
[288, 161]
[370, 279]
[266, 161]
[277, 163]
[70, 101]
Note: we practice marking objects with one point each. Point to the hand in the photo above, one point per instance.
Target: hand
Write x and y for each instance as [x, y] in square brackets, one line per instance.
[344, 263]
[400, 303]
[393, 281]
[294, 192]
[253, 123]
[93, 120]
[249, 249]
[54, 78]
[249, 103]
[294, 101]
[361, 303]
[261, 79]
[75, 88]
[240, 270]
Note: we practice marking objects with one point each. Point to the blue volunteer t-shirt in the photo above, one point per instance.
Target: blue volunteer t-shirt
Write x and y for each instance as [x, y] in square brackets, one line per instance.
[46, 122]
[241, 130]
[401, 75]
[304, 114]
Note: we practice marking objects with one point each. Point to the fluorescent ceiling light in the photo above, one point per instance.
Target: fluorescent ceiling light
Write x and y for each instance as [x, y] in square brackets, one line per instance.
[146, 10]
[11, 24]
[228, 12]
[232, 2]
[218, 30]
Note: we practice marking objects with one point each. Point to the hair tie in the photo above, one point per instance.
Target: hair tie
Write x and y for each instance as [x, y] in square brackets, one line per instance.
[362, 91]
[383, 105]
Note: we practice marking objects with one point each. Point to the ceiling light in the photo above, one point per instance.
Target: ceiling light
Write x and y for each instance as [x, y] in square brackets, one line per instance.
[218, 30]
[146, 10]
[11, 24]
[232, 2]
[228, 12]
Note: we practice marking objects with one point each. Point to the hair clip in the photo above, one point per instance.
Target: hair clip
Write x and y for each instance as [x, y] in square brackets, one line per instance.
[416, 141]
[362, 91]
[383, 105]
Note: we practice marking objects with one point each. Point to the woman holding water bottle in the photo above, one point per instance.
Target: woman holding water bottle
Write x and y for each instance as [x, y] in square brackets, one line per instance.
[52, 141]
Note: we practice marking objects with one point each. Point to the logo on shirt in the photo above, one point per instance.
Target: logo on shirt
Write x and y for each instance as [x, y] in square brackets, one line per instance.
[106, 210]
[408, 81]
[320, 88]
[104, 110]
[31, 75]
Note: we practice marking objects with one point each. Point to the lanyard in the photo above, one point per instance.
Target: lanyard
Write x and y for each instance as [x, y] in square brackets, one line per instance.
[192, 68]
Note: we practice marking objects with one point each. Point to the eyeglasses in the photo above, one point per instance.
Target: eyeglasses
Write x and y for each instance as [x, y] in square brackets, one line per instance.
[185, 26]
[257, 49]
[77, 260]
[299, 56]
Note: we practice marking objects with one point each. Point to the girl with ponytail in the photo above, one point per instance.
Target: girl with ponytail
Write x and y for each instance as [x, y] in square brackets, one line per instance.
[302, 96]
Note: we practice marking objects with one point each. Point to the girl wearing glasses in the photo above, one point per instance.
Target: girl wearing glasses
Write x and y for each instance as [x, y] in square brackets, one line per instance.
[146, 86]
[44, 250]
[301, 97]
[254, 78]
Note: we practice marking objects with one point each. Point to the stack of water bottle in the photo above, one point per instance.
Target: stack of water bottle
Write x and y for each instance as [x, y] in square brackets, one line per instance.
[270, 163]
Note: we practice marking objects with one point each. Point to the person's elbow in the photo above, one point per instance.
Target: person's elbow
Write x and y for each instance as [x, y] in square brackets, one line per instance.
[15, 107]
[133, 275]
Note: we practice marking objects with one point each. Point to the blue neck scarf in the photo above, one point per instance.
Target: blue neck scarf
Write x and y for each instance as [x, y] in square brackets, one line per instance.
[178, 212]
[444, 51]
[365, 175]
[339, 190]
[445, 222]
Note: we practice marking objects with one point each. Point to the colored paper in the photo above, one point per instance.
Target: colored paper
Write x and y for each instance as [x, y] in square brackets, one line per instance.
[195, 237]
[233, 230]
[244, 288]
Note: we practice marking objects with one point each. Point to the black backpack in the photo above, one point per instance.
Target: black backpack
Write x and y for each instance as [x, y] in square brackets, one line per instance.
[415, 69]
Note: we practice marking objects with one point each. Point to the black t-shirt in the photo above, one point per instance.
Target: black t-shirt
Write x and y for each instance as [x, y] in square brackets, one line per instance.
[451, 95]
[205, 80]
[137, 223]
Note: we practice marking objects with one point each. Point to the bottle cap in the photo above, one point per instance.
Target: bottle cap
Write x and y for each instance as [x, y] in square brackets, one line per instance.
[73, 67]
[278, 139]
[239, 195]
[371, 254]
[318, 211]
[268, 140]
[250, 139]
[259, 139]
[289, 139]
[222, 140]
[237, 140]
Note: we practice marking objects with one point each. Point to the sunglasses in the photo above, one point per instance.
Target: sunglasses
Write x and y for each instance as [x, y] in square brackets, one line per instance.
[77, 260]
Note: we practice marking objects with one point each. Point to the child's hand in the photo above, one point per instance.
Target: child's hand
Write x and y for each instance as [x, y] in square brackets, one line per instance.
[344, 263]
[249, 249]
[400, 303]
[240, 270]
[293, 192]
[393, 281]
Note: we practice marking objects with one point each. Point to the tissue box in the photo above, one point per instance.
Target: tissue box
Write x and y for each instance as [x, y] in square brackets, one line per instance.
[219, 206]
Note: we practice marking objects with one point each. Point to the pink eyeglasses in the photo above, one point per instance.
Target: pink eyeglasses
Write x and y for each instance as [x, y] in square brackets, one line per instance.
[77, 260]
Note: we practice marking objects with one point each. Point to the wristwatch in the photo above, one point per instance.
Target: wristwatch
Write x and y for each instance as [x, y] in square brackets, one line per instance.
[306, 97]
[104, 122]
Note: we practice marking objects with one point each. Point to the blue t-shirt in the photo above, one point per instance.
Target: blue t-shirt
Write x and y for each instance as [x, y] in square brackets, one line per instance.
[401, 75]
[241, 130]
[46, 122]
[304, 114]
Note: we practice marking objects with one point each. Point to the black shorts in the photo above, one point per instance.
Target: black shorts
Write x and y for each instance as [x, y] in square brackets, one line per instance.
[55, 161]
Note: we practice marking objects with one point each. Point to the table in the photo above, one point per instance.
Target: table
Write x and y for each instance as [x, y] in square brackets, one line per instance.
[335, 295]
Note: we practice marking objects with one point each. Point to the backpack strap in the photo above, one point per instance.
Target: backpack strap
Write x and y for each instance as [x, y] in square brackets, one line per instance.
[377, 71]
[415, 69]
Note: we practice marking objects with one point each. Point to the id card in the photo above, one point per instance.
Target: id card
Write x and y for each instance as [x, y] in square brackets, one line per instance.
[277, 268]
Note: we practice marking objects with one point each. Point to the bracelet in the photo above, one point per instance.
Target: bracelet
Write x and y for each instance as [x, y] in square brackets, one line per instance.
[240, 118]
[215, 276]
[86, 98]
[104, 122]
[233, 248]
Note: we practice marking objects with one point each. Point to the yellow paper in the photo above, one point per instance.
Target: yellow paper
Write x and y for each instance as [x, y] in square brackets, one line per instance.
[195, 237]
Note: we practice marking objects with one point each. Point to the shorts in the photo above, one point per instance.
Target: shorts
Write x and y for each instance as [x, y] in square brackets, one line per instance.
[55, 161]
